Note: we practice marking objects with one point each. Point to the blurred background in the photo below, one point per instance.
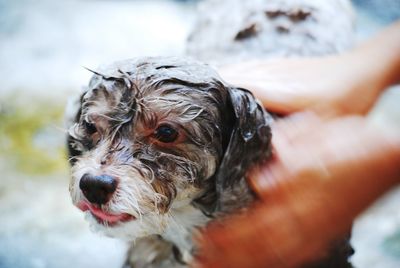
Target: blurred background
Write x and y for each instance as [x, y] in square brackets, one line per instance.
[44, 46]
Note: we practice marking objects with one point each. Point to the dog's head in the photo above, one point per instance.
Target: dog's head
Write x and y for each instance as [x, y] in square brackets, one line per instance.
[157, 134]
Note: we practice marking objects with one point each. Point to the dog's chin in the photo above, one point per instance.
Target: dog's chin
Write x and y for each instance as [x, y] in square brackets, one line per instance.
[128, 230]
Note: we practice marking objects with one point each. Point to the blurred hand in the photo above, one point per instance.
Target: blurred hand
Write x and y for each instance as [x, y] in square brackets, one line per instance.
[323, 174]
[334, 85]
[327, 166]
[289, 85]
[308, 147]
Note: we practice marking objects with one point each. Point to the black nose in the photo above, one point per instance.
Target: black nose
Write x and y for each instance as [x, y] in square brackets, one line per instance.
[98, 189]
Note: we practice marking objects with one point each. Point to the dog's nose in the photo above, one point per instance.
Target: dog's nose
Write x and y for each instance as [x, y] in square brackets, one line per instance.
[98, 189]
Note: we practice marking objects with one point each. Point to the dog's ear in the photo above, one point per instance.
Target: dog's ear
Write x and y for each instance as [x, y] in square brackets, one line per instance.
[247, 142]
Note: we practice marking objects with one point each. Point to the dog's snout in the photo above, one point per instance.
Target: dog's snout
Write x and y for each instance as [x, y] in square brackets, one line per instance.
[98, 189]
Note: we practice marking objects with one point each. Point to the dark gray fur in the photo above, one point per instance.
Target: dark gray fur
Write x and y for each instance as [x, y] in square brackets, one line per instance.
[234, 126]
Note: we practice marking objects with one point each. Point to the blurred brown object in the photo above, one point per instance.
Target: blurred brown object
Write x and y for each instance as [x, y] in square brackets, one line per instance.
[322, 176]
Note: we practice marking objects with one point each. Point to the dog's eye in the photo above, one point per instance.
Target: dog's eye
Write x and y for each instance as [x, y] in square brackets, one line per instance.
[90, 128]
[166, 134]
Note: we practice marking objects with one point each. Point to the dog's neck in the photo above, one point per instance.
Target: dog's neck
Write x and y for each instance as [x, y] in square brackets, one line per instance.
[182, 225]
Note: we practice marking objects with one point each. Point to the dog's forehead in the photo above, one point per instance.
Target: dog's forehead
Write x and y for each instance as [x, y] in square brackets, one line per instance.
[163, 88]
[149, 77]
[158, 68]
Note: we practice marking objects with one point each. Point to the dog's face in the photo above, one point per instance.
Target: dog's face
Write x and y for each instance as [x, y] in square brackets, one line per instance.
[157, 134]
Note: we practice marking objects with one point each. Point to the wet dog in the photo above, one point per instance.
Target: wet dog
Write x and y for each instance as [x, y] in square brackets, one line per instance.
[160, 146]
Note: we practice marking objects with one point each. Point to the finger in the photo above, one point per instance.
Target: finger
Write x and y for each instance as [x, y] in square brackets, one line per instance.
[286, 129]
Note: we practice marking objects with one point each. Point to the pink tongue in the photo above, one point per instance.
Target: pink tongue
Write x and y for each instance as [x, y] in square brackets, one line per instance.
[106, 217]
[111, 218]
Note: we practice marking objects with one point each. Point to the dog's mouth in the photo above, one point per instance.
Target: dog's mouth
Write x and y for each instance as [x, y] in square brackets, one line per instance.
[103, 217]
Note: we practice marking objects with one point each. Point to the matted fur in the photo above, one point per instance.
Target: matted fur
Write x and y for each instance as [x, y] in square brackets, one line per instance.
[169, 188]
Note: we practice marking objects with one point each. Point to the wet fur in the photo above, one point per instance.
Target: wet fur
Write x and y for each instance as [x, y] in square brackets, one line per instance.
[172, 189]
[175, 190]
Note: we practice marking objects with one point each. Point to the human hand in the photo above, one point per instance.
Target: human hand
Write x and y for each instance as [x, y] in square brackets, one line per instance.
[290, 85]
[324, 171]
[323, 174]
[342, 84]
